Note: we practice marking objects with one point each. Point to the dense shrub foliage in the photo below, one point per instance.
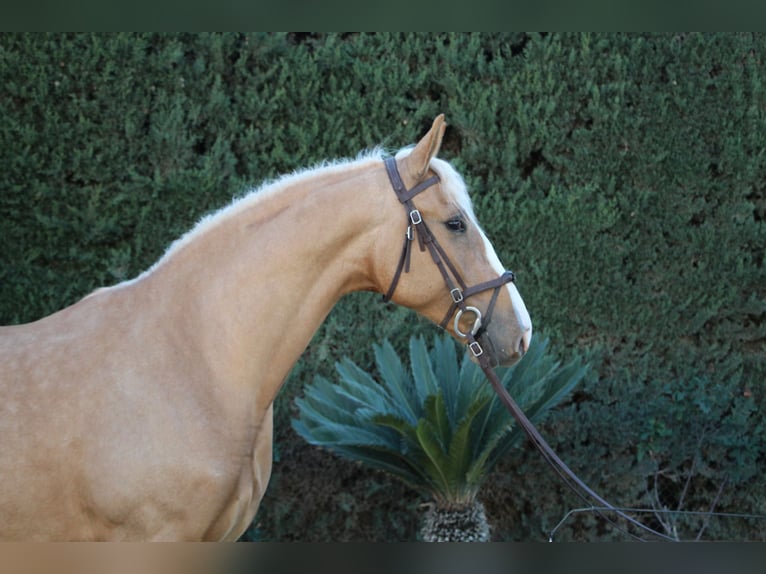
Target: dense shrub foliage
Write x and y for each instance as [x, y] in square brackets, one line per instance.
[623, 178]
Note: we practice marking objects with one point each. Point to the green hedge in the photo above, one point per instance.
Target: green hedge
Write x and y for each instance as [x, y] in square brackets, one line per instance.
[623, 177]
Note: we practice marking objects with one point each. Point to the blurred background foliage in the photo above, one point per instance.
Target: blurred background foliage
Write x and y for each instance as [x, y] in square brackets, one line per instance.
[621, 176]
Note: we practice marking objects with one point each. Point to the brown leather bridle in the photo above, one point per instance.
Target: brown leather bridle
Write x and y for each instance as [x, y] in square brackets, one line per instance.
[458, 290]
[459, 293]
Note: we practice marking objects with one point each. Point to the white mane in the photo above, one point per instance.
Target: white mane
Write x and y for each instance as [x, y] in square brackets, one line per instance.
[452, 183]
[254, 196]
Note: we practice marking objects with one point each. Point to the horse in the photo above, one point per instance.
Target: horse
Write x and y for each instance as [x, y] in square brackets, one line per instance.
[145, 410]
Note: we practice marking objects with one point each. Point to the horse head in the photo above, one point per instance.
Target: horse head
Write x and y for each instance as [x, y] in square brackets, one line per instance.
[447, 269]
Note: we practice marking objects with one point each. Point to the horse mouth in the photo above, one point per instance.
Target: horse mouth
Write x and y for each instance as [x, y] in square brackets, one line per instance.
[498, 356]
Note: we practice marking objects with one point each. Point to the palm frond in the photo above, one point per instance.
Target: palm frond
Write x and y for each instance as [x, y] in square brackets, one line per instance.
[426, 383]
[396, 380]
[435, 424]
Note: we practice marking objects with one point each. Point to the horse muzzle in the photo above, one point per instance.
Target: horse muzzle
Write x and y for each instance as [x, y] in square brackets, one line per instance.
[499, 355]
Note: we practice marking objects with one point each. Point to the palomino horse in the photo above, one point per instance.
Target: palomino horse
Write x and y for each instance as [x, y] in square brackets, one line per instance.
[144, 411]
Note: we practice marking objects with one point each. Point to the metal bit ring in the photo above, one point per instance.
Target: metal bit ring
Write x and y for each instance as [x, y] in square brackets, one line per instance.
[476, 323]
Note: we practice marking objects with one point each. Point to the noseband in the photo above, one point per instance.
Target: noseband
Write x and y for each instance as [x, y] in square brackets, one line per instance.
[458, 289]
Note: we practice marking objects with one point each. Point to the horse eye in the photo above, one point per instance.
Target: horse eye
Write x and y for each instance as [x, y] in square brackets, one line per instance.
[456, 224]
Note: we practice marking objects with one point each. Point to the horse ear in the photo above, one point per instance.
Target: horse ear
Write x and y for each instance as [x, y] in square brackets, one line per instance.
[415, 165]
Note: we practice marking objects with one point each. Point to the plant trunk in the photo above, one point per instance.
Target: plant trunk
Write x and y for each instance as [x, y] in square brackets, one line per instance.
[462, 523]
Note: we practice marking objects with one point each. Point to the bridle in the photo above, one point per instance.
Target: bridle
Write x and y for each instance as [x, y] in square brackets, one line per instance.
[458, 290]
[459, 293]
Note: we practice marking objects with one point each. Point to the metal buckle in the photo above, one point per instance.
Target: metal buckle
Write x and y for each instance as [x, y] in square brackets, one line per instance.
[410, 235]
[476, 349]
[457, 295]
[415, 217]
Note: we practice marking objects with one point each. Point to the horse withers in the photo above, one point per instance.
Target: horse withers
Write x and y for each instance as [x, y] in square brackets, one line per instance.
[144, 411]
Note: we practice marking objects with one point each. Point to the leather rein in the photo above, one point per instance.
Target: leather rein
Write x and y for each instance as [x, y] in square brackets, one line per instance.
[459, 291]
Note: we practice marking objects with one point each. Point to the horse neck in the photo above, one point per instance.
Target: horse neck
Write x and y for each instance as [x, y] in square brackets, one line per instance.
[254, 287]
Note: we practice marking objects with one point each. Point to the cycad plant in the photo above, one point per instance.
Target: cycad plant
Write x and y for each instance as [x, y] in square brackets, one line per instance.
[438, 425]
